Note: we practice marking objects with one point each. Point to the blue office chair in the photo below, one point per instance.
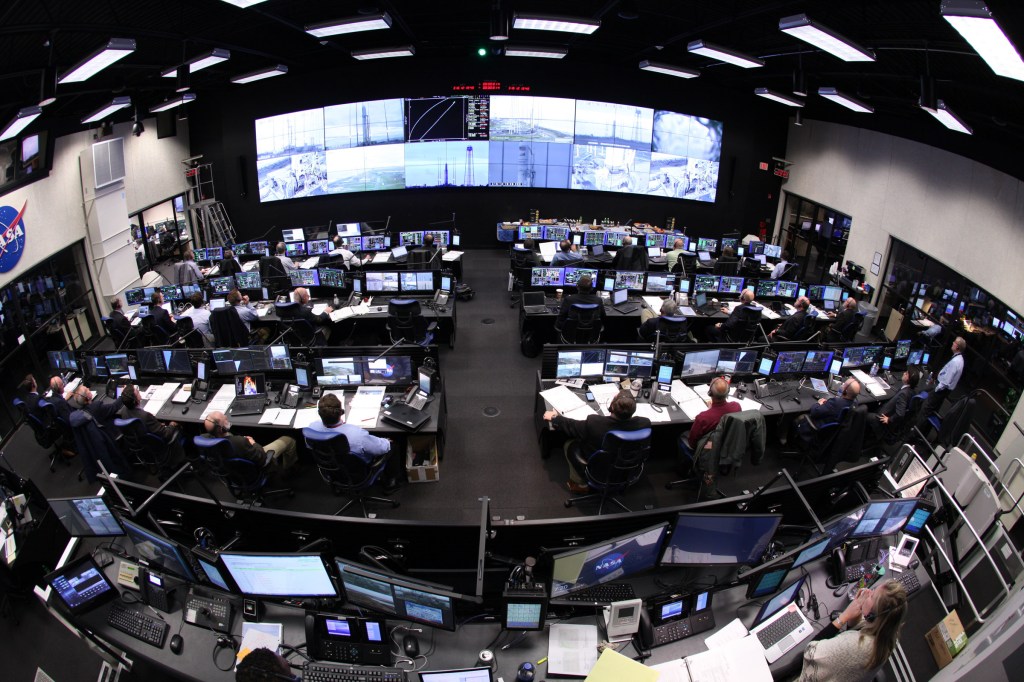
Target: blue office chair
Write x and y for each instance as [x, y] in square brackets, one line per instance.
[61, 428]
[673, 330]
[749, 328]
[46, 436]
[582, 324]
[616, 466]
[142, 447]
[244, 478]
[817, 440]
[406, 322]
[345, 472]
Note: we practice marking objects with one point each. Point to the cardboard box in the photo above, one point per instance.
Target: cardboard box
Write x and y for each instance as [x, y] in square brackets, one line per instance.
[946, 639]
[423, 449]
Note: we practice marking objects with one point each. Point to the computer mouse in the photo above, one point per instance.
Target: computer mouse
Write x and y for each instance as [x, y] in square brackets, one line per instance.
[177, 644]
[184, 410]
[795, 400]
[411, 646]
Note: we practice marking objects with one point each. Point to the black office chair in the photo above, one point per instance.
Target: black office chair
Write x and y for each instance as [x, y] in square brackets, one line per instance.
[424, 259]
[273, 275]
[143, 448]
[789, 272]
[816, 439]
[296, 330]
[721, 452]
[523, 262]
[245, 479]
[616, 466]
[187, 334]
[228, 329]
[153, 334]
[46, 436]
[632, 258]
[583, 324]
[673, 330]
[727, 267]
[406, 322]
[678, 268]
[345, 472]
[802, 333]
[95, 443]
[849, 331]
[62, 428]
[749, 331]
[118, 335]
[848, 444]
[900, 432]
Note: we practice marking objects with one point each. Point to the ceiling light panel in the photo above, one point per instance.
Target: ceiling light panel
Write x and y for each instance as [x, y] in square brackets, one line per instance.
[803, 28]
[550, 22]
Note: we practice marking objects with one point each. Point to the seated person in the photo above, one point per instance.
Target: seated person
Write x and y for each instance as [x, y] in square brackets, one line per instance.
[707, 421]
[828, 409]
[59, 398]
[200, 315]
[586, 437]
[650, 323]
[567, 253]
[728, 257]
[629, 256]
[102, 410]
[261, 665]
[935, 330]
[532, 255]
[790, 329]
[130, 401]
[284, 451]
[737, 318]
[892, 415]
[28, 393]
[361, 443]
[305, 311]
[229, 265]
[584, 294]
[118, 320]
[844, 318]
[161, 318]
[287, 262]
[675, 254]
[874, 619]
[247, 313]
[340, 254]
[780, 267]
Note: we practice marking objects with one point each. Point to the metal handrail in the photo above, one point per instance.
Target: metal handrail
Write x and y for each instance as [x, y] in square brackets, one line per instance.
[956, 576]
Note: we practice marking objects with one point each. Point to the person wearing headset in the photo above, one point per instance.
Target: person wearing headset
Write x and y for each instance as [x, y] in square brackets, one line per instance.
[854, 646]
[263, 665]
[284, 450]
[707, 421]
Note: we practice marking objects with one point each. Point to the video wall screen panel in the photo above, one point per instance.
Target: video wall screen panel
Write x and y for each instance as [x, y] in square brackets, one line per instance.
[488, 141]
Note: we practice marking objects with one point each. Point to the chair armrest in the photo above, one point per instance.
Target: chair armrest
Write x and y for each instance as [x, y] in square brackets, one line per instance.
[432, 326]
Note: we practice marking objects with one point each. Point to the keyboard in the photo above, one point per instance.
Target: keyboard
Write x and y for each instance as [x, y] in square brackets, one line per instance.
[137, 624]
[908, 579]
[212, 612]
[602, 594]
[780, 629]
[341, 672]
[857, 571]
[248, 404]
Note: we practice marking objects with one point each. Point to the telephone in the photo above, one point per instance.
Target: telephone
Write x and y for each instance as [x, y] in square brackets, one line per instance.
[155, 590]
[669, 618]
[200, 390]
[290, 395]
[347, 639]
[283, 298]
[441, 297]
[848, 560]
[354, 299]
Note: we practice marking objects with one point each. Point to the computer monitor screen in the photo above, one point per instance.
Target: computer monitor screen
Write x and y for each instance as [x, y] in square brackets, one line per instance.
[719, 539]
[461, 675]
[547, 277]
[631, 364]
[446, 283]
[915, 524]
[652, 239]
[730, 242]
[883, 517]
[779, 601]
[766, 288]
[348, 229]
[736, 361]
[393, 595]
[817, 361]
[416, 281]
[213, 573]
[440, 236]
[902, 349]
[329, 277]
[629, 280]
[134, 296]
[376, 242]
[607, 283]
[277, 357]
[788, 289]
[174, 362]
[248, 280]
[764, 368]
[772, 251]
[157, 551]
[524, 612]
[593, 238]
[213, 253]
[705, 244]
[768, 581]
[613, 560]
[620, 296]
[62, 360]
[730, 285]
[705, 283]
[579, 363]
[86, 517]
[292, 249]
[840, 527]
[816, 292]
[250, 384]
[293, 235]
[572, 275]
[530, 232]
[171, 292]
[229, 361]
[861, 356]
[684, 285]
[95, 367]
[755, 248]
[914, 357]
[833, 293]
[381, 281]
[654, 252]
[390, 369]
[836, 366]
[698, 363]
[556, 232]
[789, 362]
[614, 238]
[202, 370]
[413, 238]
[242, 249]
[660, 283]
[258, 249]
[81, 585]
[117, 365]
[332, 372]
[279, 575]
[304, 278]
[221, 285]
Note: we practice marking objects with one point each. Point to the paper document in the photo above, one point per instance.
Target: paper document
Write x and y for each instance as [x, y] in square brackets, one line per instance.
[688, 311]
[452, 255]
[874, 385]
[654, 302]
[342, 313]
[319, 308]
[672, 671]
[769, 314]
[741, 660]
[732, 631]
[647, 410]
[381, 256]
[263, 311]
[580, 413]
[562, 399]
[183, 395]
[604, 394]
[249, 266]
[310, 262]
[572, 649]
[688, 400]
[256, 636]
[365, 406]
[307, 416]
[748, 404]
[614, 667]
[221, 401]
[154, 406]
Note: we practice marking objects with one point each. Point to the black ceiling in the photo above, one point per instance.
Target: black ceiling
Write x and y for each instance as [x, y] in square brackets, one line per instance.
[909, 38]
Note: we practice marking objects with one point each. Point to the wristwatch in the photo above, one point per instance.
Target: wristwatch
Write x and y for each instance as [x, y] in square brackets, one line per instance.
[838, 622]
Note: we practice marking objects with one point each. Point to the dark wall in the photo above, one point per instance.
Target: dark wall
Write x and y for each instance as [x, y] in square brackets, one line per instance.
[221, 128]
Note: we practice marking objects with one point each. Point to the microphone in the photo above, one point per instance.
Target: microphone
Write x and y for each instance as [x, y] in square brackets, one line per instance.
[390, 348]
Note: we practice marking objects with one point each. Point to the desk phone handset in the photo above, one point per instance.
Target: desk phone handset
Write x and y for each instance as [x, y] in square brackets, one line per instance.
[440, 297]
[155, 590]
[672, 617]
[290, 395]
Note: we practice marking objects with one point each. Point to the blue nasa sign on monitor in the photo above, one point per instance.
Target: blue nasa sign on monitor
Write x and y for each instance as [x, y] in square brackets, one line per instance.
[12, 236]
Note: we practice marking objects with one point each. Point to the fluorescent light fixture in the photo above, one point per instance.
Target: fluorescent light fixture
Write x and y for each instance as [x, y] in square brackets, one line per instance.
[542, 52]
[367, 22]
[668, 69]
[171, 103]
[551, 22]
[806, 29]
[385, 52]
[499, 25]
[215, 56]
[112, 51]
[973, 20]
[851, 103]
[244, 3]
[20, 121]
[946, 117]
[269, 72]
[778, 97]
[106, 110]
[723, 54]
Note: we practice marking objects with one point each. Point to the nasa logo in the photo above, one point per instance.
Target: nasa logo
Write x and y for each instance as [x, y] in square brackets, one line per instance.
[12, 236]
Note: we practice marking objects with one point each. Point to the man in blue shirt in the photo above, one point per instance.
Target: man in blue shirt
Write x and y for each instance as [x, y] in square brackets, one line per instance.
[568, 253]
[949, 377]
[361, 443]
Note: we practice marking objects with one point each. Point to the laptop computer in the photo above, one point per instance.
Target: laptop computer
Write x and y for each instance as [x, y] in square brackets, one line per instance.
[405, 416]
[597, 252]
[780, 624]
[830, 304]
[620, 302]
[704, 256]
[250, 394]
[534, 302]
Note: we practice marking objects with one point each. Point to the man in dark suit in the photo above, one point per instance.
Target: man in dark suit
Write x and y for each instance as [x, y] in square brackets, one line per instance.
[118, 319]
[425, 255]
[588, 435]
[161, 318]
[130, 401]
[284, 450]
[828, 409]
[790, 329]
[651, 322]
[738, 318]
[305, 311]
[229, 265]
[57, 399]
[630, 257]
[892, 416]
[584, 294]
[843, 319]
[103, 411]
[28, 393]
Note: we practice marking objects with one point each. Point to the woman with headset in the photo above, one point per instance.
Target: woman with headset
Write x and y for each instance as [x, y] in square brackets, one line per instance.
[856, 644]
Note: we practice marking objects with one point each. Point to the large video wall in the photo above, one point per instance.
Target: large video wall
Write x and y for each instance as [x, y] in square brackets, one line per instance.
[487, 141]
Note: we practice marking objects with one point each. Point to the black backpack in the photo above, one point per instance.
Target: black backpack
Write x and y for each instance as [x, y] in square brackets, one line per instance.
[464, 292]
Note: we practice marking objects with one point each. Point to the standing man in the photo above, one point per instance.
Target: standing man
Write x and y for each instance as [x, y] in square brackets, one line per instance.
[949, 377]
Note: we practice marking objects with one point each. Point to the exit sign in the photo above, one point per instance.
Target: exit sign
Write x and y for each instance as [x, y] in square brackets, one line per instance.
[782, 173]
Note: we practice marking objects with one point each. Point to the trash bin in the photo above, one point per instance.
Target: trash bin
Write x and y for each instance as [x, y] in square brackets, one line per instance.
[870, 317]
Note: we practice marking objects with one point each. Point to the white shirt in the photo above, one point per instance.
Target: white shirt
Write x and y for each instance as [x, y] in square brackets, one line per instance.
[287, 263]
[779, 269]
[949, 376]
[347, 257]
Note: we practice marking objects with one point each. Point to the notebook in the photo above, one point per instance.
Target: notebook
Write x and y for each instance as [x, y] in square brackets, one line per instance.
[781, 623]
[533, 302]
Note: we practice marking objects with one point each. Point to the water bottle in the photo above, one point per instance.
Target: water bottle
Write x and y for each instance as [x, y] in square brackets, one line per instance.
[874, 369]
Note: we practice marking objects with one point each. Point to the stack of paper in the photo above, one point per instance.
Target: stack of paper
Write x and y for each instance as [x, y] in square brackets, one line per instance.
[572, 649]
[689, 401]
[307, 416]
[277, 416]
[874, 385]
[319, 308]
[159, 394]
[310, 262]
[221, 401]
[257, 636]
[654, 302]
[452, 255]
[365, 406]
[741, 660]
[381, 256]
[249, 266]
[604, 394]
[566, 403]
[614, 667]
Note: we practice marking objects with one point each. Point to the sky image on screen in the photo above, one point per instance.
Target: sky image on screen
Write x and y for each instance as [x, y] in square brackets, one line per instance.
[613, 560]
[570, 364]
[719, 539]
[701, 362]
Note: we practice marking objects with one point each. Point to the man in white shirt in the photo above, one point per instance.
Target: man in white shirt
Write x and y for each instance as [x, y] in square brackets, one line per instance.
[285, 260]
[949, 377]
[781, 266]
[347, 258]
[200, 315]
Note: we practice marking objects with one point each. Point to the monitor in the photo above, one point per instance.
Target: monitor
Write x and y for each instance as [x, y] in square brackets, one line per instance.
[279, 575]
[241, 250]
[258, 249]
[833, 293]
[293, 235]
[573, 274]
[248, 280]
[277, 357]
[381, 282]
[343, 371]
[348, 229]
[756, 248]
[210, 564]
[915, 524]
[705, 283]
[768, 581]
[95, 367]
[730, 242]
[772, 251]
[318, 247]
[607, 283]
[117, 364]
[157, 551]
[248, 383]
[547, 277]
[663, 373]
[883, 517]
[530, 232]
[653, 239]
[164, 361]
[62, 360]
[789, 362]
[86, 517]
[902, 349]
[629, 364]
[625, 279]
[416, 281]
[579, 363]
[736, 361]
[460, 675]
[293, 249]
[730, 285]
[446, 283]
[816, 292]
[556, 232]
[393, 595]
[614, 238]
[705, 244]
[719, 539]
[861, 356]
[817, 361]
[619, 296]
[329, 277]
[171, 292]
[653, 251]
[812, 551]
[523, 612]
[221, 285]
[766, 288]
[839, 527]
[698, 363]
[215, 253]
[619, 558]
[376, 242]
[134, 296]
[81, 585]
[788, 289]
[390, 369]
[593, 238]
[304, 278]
[441, 237]
[779, 601]
[660, 283]
[412, 238]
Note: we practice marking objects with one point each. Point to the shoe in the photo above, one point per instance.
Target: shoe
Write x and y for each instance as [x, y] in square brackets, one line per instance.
[68, 454]
[576, 488]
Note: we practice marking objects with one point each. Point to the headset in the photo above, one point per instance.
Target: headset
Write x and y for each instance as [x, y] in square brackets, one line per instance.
[217, 430]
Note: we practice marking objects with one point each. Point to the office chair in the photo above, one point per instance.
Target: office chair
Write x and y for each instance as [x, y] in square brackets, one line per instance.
[673, 330]
[406, 321]
[46, 436]
[522, 268]
[726, 267]
[228, 329]
[721, 452]
[95, 443]
[62, 430]
[273, 275]
[142, 447]
[678, 268]
[848, 444]
[618, 464]
[153, 334]
[630, 257]
[749, 331]
[187, 334]
[898, 433]
[114, 333]
[345, 472]
[802, 332]
[244, 478]
[583, 324]
[815, 443]
[789, 272]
